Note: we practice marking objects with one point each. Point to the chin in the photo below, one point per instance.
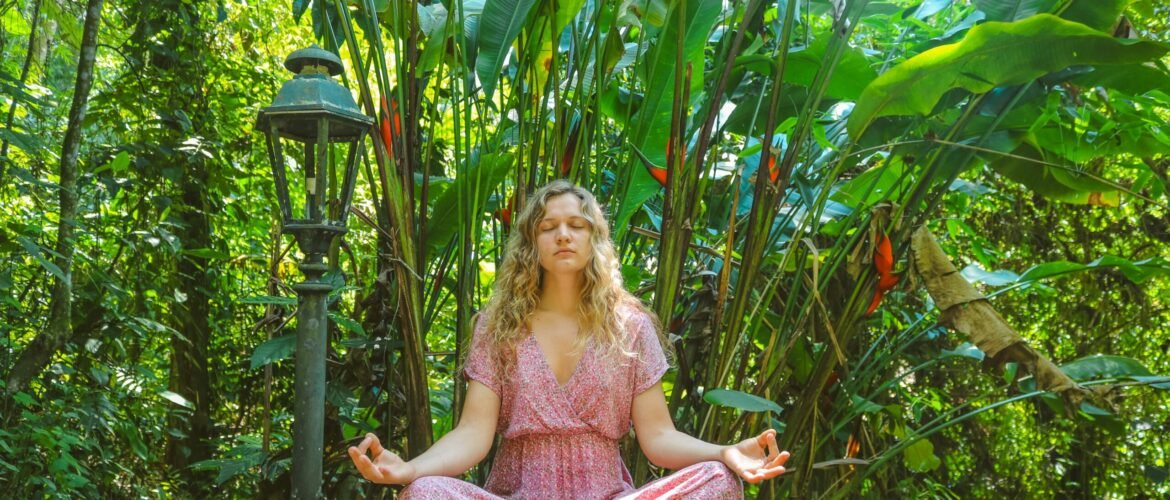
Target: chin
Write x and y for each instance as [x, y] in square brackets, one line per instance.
[562, 268]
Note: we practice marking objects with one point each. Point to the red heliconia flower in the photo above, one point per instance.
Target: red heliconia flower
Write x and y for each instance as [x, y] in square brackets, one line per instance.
[504, 214]
[852, 447]
[570, 149]
[658, 173]
[883, 264]
[388, 133]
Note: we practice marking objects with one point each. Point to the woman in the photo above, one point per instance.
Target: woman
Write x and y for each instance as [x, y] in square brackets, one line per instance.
[561, 362]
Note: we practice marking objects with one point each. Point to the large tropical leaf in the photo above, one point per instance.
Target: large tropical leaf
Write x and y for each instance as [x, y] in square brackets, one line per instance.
[850, 75]
[1100, 15]
[740, 400]
[1042, 174]
[481, 179]
[1013, 10]
[930, 8]
[1097, 14]
[1103, 366]
[991, 55]
[543, 51]
[654, 114]
[1135, 271]
[298, 8]
[498, 26]
[1134, 79]
[1082, 147]
[274, 349]
[435, 28]
[653, 119]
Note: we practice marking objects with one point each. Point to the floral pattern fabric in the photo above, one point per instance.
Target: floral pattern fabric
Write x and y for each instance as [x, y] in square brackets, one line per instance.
[561, 441]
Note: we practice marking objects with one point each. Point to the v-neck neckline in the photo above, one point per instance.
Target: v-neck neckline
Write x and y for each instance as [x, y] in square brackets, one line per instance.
[548, 367]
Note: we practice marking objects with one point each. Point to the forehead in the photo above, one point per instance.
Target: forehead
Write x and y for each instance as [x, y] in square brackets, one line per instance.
[563, 205]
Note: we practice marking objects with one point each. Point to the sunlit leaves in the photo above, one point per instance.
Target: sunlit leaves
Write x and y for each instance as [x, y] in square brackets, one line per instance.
[1103, 366]
[37, 253]
[274, 349]
[298, 8]
[660, 69]
[920, 457]
[177, 399]
[499, 25]
[1057, 181]
[1138, 271]
[1013, 10]
[265, 299]
[740, 400]
[990, 55]
[468, 190]
[966, 350]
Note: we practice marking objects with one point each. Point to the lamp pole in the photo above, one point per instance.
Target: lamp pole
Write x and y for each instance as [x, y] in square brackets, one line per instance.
[316, 115]
[312, 339]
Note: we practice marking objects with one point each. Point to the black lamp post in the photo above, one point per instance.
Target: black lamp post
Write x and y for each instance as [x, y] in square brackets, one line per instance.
[311, 118]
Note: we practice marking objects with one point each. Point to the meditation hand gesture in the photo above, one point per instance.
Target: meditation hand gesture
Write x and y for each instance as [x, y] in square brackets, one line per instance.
[385, 468]
[752, 461]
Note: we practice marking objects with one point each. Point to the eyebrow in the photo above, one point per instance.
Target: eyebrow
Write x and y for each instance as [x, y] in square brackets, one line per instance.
[582, 217]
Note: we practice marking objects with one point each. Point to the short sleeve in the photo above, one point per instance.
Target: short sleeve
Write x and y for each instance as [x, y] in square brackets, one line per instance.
[651, 363]
[479, 366]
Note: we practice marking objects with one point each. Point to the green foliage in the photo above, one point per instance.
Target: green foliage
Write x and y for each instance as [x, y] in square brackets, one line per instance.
[274, 349]
[973, 118]
[498, 27]
[992, 55]
[740, 400]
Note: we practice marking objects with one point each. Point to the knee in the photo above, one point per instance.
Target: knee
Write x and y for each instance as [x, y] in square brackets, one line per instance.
[716, 470]
[719, 474]
[429, 487]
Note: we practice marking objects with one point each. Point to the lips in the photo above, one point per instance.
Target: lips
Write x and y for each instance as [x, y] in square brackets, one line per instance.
[559, 252]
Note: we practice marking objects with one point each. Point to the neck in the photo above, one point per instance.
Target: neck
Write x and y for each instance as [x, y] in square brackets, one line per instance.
[561, 293]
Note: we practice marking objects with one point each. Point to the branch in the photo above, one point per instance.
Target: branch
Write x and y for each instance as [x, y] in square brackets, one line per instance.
[966, 310]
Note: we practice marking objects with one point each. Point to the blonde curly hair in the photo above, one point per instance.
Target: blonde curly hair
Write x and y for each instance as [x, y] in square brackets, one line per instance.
[520, 277]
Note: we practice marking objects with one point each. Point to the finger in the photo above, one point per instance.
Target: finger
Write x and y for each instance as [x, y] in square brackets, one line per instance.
[771, 472]
[752, 477]
[381, 474]
[762, 439]
[376, 473]
[363, 464]
[375, 446]
[354, 453]
[365, 444]
[772, 440]
[778, 460]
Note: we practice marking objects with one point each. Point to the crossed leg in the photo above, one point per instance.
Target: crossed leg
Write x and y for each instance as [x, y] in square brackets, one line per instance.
[706, 480]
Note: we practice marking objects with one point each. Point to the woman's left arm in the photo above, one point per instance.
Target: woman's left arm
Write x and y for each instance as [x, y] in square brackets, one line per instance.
[666, 447]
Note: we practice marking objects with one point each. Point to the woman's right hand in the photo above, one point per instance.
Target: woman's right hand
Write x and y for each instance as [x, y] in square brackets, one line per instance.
[385, 468]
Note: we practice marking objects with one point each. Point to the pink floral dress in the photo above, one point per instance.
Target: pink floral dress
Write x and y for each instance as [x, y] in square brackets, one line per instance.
[562, 441]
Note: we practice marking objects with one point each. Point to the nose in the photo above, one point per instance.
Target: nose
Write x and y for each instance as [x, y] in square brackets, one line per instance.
[563, 233]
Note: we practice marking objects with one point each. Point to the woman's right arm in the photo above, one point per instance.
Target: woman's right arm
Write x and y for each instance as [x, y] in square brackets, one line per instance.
[466, 445]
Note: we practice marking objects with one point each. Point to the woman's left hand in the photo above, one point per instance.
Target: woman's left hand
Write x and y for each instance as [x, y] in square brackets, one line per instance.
[753, 461]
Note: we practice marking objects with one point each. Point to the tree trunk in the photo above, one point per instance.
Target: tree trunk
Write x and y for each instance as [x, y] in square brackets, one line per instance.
[24, 68]
[36, 356]
[181, 75]
[190, 376]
